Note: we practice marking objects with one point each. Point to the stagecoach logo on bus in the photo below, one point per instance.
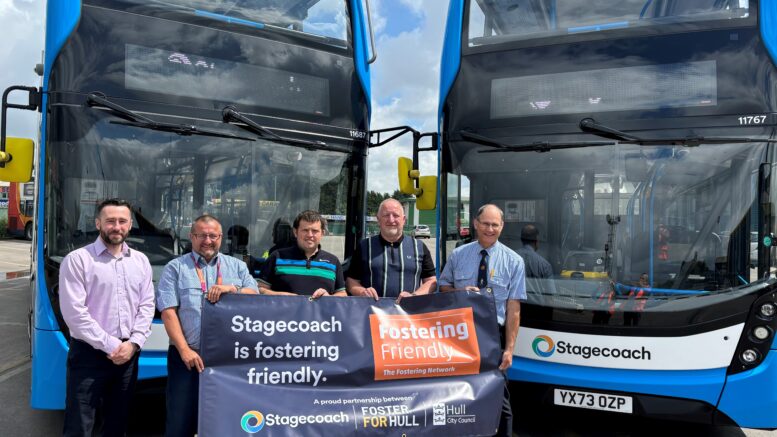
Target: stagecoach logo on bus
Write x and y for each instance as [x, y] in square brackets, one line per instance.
[544, 346]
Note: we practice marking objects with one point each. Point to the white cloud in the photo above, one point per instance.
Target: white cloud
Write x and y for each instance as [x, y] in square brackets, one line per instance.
[405, 89]
[22, 24]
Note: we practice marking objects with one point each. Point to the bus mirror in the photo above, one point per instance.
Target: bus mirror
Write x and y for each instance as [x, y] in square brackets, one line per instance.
[18, 160]
[636, 167]
[406, 176]
[427, 200]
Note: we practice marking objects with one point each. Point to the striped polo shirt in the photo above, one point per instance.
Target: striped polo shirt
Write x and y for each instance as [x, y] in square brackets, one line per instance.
[288, 269]
[391, 267]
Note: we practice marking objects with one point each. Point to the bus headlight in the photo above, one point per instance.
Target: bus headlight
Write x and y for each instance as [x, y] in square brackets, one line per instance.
[768, 309]
[761, 332]
[749, 356]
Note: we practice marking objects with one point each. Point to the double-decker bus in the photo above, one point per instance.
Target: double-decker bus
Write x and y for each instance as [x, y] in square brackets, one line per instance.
[637, 137]
[21, 206]
[249, 111]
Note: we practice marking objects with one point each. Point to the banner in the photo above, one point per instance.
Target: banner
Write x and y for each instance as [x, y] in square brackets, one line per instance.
[286, 365]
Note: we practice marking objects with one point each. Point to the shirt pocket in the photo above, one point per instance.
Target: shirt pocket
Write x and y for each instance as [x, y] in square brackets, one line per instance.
[463, 279]
[499, 285]
[190, 293]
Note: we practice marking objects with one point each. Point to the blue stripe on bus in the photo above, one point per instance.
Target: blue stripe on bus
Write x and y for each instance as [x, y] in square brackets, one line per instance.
[703, 385]
[451, 51]
[598, 27]
[768, 21]
[750, 398]
[361, 47]
[227, 19]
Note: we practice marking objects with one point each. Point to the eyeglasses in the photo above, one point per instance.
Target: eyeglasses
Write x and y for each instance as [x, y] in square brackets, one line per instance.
[206, 236]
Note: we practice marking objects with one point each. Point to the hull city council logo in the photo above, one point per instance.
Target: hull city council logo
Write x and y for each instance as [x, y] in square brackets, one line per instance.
[543, 346]
[252, 422]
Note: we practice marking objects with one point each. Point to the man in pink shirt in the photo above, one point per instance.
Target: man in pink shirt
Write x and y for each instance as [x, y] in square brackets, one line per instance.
[106, 296]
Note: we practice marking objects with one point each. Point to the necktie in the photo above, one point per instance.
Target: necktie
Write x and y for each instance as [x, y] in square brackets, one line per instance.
[483, 269]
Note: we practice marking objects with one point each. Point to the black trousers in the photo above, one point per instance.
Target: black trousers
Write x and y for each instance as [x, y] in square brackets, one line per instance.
[506, 417]
[183, 387]
[94, 382]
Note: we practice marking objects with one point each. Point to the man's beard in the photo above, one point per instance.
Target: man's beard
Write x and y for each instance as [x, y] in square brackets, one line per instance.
[107, 237]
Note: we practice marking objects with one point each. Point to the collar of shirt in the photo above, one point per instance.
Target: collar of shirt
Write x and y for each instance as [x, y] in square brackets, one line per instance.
[490, 250]
[100, 247]
[201, 259]
[301, 253]
[385, 242]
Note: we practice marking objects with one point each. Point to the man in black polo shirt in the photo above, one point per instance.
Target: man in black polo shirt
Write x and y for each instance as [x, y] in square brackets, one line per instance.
[388, 264]
[303, 269]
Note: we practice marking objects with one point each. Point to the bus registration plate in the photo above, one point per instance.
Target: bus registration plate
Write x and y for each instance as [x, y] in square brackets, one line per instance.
[592, 401]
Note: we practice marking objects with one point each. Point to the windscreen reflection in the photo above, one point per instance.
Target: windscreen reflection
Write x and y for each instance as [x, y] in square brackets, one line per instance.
[634, 229]
[253, 188]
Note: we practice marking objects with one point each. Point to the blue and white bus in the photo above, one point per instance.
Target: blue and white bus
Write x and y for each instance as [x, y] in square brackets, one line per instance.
[249, 111]
[637, 137]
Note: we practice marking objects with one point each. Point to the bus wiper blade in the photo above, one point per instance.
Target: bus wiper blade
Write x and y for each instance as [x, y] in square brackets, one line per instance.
[182, 129]
[231, 115]
[95, 100]
[98, 100]
[537, 146]
[590, 125]
[695, 141]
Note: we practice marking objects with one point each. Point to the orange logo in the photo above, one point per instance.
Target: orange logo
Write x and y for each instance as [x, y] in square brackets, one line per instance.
[441, 343]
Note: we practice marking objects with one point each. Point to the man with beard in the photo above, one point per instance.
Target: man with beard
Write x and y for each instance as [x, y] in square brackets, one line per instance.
[107, 301]
[388, 264]
[303, 269]
[204, 273]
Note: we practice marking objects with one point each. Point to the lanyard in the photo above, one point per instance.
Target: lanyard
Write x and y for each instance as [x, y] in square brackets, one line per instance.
[202, 276]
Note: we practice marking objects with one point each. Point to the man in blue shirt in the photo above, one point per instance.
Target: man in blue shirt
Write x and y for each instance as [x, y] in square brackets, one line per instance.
[486, 265]
[186, 281]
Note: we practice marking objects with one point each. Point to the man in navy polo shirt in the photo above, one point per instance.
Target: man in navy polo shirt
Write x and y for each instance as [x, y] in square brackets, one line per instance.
[391, 264]
[303, 269]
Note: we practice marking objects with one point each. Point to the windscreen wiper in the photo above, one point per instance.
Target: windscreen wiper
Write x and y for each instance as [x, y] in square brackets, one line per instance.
[591, 126]
[537, 146]
[231, 115]
[94, 100]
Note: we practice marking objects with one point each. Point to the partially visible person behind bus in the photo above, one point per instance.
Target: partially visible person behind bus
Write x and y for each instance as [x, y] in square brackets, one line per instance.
[106, 296]
[304, 268]
[391, 264]
[537, 267]
[488, 266]
[203, 273]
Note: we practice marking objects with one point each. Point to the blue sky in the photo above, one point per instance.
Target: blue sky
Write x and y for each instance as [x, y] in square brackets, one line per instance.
[405, 77]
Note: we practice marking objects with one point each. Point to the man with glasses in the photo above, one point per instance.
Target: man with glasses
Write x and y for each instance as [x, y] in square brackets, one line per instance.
[488, 266]
[186, 281]
[107, 301]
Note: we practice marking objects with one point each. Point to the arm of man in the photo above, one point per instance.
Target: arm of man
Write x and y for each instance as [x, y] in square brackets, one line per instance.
[72, 304]
[517, 290]
[267, 278]
[356, 289]
[512, 322]
[173, 327]
[339, 289]
[428, 273]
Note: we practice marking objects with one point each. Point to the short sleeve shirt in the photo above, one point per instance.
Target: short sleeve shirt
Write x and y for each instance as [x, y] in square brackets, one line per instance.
[506, 276]
[289, 270]
[179, 286]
